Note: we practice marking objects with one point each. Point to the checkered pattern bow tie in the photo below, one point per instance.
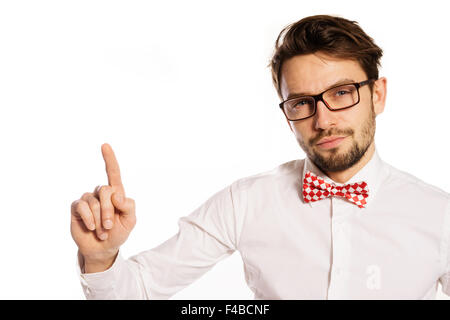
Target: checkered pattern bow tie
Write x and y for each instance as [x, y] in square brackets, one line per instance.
[315, 188]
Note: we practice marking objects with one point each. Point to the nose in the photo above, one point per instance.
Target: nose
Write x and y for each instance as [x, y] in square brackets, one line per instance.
[324, 118]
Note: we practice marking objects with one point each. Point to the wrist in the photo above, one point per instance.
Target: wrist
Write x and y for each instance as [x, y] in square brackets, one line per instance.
[99, 262]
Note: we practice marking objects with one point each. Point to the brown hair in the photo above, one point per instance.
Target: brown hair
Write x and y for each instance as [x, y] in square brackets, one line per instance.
[335, 36]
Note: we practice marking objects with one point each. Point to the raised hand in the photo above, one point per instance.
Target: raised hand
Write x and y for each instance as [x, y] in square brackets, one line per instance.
[101, 221]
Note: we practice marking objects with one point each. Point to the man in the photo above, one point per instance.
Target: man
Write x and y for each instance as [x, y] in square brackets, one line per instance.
[339, 224]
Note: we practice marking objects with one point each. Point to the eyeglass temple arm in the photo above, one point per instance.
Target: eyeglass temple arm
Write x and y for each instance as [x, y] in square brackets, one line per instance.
[363, 83]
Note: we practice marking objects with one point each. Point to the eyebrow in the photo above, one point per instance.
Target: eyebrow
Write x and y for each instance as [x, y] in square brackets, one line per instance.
[338, 83]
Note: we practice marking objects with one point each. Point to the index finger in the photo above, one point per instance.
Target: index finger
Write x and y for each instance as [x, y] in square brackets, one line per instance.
[112, 167]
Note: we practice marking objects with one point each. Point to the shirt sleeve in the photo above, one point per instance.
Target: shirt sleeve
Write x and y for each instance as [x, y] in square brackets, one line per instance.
[206, 236]
[444, 280]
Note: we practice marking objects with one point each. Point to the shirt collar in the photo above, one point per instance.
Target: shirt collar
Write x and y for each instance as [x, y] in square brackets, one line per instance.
[370, 173]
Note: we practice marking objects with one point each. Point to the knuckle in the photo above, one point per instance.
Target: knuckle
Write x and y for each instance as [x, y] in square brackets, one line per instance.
[80, 205]
[85, 195]
[106, 209]
[74, 204]
[94, 204]
[105, 203]
[104, 190]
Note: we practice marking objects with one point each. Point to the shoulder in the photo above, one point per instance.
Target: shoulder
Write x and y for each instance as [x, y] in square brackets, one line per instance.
[285, 172]
[409, 183]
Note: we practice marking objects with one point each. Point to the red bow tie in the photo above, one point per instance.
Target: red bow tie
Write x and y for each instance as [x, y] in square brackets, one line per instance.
[315, 188]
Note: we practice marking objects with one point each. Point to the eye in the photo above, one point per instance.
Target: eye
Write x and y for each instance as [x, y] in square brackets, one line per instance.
[342, 92]
[301, 103]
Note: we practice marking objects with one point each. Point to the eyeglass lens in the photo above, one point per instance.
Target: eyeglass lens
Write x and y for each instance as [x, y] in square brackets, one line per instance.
[336, 98]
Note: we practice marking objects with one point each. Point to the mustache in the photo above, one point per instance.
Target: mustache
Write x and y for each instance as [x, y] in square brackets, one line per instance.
[335, 132]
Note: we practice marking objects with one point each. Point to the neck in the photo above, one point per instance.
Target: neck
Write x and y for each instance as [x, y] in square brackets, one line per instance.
[345, 175]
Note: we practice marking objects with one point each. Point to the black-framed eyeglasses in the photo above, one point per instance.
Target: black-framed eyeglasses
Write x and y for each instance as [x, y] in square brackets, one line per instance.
[337, 98]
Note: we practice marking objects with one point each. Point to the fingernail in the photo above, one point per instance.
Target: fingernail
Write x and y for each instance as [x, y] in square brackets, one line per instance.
[103, 236]
[108, 224]
[92, 227]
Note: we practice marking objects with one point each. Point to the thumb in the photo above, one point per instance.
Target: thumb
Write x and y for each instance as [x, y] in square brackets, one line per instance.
[125, 205]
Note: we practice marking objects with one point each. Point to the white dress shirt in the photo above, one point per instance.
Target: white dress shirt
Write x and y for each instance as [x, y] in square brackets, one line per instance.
[397, 247]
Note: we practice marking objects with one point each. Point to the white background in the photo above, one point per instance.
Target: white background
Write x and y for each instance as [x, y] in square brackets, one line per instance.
[181, 91]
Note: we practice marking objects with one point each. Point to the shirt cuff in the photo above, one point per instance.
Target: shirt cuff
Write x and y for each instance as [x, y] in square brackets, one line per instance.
[99, 285]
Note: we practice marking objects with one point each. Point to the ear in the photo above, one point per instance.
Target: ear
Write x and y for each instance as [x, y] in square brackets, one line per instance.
[379, 95]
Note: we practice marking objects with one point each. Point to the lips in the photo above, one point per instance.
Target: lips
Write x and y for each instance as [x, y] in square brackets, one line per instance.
[329, 139]
[330, 142]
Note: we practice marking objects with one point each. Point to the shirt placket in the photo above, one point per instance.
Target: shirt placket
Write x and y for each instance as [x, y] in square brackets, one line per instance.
[341, 249]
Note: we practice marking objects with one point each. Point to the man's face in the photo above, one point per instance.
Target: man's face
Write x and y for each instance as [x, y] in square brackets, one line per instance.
[313, 73]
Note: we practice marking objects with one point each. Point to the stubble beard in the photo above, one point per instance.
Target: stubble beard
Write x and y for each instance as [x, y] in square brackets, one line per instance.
[334, 160]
